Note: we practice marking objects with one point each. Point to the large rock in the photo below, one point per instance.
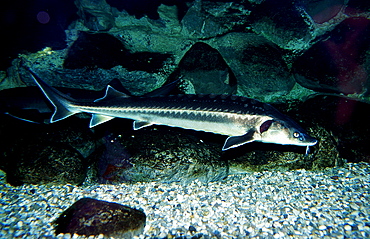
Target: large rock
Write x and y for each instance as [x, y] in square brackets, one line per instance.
[159, 154]
[96, 15]
[41, 154]
[341, 62]
[257, 65]
[323, 11]
[136, 81]
[209, 19]
[91, 217]
[207, 71]
[283, 23]
[49, 164]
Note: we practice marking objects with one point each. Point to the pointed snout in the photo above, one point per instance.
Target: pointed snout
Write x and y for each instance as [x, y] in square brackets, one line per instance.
[309, 141]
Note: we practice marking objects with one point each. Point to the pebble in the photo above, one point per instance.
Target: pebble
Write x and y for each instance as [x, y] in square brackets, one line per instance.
[347, 227]
[19, 224]
[294, 204]
[322, 227]
[89, 216]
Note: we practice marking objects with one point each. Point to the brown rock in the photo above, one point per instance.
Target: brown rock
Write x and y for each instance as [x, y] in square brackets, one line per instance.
[89, 216]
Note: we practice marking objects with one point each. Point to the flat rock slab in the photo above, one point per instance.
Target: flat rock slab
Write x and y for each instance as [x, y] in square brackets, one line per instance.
[89, 216]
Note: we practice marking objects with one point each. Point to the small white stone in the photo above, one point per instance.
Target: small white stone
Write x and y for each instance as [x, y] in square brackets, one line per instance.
[75, 236]
[322, 227]
[100, 236]
[279, 235]
[366, 228]
[347, 227]
[66, 236]
[20, 224]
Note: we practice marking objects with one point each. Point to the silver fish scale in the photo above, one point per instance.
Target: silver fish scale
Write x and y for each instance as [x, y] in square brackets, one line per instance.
[199, 103]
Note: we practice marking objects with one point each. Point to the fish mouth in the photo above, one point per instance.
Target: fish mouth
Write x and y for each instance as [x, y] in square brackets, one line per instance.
[310, 141]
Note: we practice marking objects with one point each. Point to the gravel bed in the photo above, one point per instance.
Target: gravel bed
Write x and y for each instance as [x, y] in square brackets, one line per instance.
[295, 204]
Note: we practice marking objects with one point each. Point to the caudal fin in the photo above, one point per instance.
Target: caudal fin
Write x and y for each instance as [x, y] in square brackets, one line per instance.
[60, 101]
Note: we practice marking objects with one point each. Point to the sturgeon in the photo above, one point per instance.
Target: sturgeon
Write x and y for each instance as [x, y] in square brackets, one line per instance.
[243, 119]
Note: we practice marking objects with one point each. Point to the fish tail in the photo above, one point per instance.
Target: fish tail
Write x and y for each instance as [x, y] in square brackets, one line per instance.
[61, 102]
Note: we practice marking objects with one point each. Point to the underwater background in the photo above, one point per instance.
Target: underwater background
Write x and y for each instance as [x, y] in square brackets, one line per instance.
[310, 59]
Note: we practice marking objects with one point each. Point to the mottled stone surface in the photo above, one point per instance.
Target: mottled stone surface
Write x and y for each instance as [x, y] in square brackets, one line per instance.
[339, 63]
[258, 66]
[324, 10]
[258, 41]
[41, 154]
[160, 154]
[207, 71]
[91, 217]
[96, 15]
[55, 164]
[271, 22]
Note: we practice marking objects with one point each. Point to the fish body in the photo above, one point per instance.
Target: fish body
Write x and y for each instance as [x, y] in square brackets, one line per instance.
[243, 119]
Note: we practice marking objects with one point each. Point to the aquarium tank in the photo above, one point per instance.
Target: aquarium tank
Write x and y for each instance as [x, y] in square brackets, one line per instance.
[185, 119]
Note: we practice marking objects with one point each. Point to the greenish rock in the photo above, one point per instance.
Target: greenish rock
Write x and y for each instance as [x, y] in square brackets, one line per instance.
[49, 164]
[345, 69]
[96, 15]
[258, 65]
[137, 82]
[2, 177]
[271, 22]
[165, 155]
[46, 154]
[198, 25]
[204, 68]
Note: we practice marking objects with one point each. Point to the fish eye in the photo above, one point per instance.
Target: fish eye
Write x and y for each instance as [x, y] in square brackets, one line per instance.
[296, 135]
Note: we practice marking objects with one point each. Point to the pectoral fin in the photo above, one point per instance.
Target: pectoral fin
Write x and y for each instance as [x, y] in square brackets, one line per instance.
[99, 119]
[141, 124]
[235, 141]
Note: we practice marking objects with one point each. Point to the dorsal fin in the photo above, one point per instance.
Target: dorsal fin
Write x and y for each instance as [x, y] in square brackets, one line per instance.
[163, 90]
[117, 85]
[111, 93]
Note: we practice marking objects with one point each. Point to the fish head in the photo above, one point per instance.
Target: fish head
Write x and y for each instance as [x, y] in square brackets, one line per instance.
[285, 133]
